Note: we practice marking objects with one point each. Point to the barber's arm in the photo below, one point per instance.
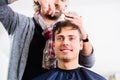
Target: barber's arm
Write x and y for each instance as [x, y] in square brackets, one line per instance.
[86, 56]
[87, 46]
[8, 17]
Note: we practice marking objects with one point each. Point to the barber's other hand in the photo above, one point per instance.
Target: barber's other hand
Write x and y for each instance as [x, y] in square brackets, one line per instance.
[47, 6]
[77, 20]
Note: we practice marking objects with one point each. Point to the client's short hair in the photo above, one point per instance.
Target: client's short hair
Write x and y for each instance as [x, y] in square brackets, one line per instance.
[62, 24]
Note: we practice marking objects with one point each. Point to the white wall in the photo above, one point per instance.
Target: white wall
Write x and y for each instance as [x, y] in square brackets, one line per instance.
[101, 21]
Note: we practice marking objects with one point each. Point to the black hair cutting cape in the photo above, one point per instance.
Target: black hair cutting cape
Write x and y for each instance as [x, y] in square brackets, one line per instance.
[74, 74]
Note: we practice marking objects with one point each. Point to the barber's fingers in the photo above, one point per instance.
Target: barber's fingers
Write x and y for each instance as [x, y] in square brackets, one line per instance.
[74, 19]
[51, 10]
[47, 6]
[11, 1]
[71, 15]
[44, 5]
[77, 20]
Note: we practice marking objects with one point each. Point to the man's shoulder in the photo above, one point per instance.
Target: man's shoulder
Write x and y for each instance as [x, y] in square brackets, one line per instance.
[89, 74]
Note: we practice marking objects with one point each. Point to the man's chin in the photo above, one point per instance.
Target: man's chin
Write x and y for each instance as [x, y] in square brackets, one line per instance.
[65, 60]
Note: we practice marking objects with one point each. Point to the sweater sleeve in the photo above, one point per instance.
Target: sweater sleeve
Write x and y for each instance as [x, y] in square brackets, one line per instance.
[8, 17]
[86, 61]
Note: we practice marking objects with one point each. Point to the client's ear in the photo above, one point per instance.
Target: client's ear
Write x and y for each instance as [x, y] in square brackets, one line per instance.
[81, 45]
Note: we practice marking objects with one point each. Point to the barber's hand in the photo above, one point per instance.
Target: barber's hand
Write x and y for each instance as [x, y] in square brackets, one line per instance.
[74, 18]
[11, 1]
[47, 6]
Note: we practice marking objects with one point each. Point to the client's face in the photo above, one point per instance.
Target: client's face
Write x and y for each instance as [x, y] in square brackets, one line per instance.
[67, 44]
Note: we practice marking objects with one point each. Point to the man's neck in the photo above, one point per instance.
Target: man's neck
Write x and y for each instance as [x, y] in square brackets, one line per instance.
[68, 65]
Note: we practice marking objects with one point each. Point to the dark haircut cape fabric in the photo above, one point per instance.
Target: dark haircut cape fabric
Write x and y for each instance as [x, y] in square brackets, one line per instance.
[80, 73]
